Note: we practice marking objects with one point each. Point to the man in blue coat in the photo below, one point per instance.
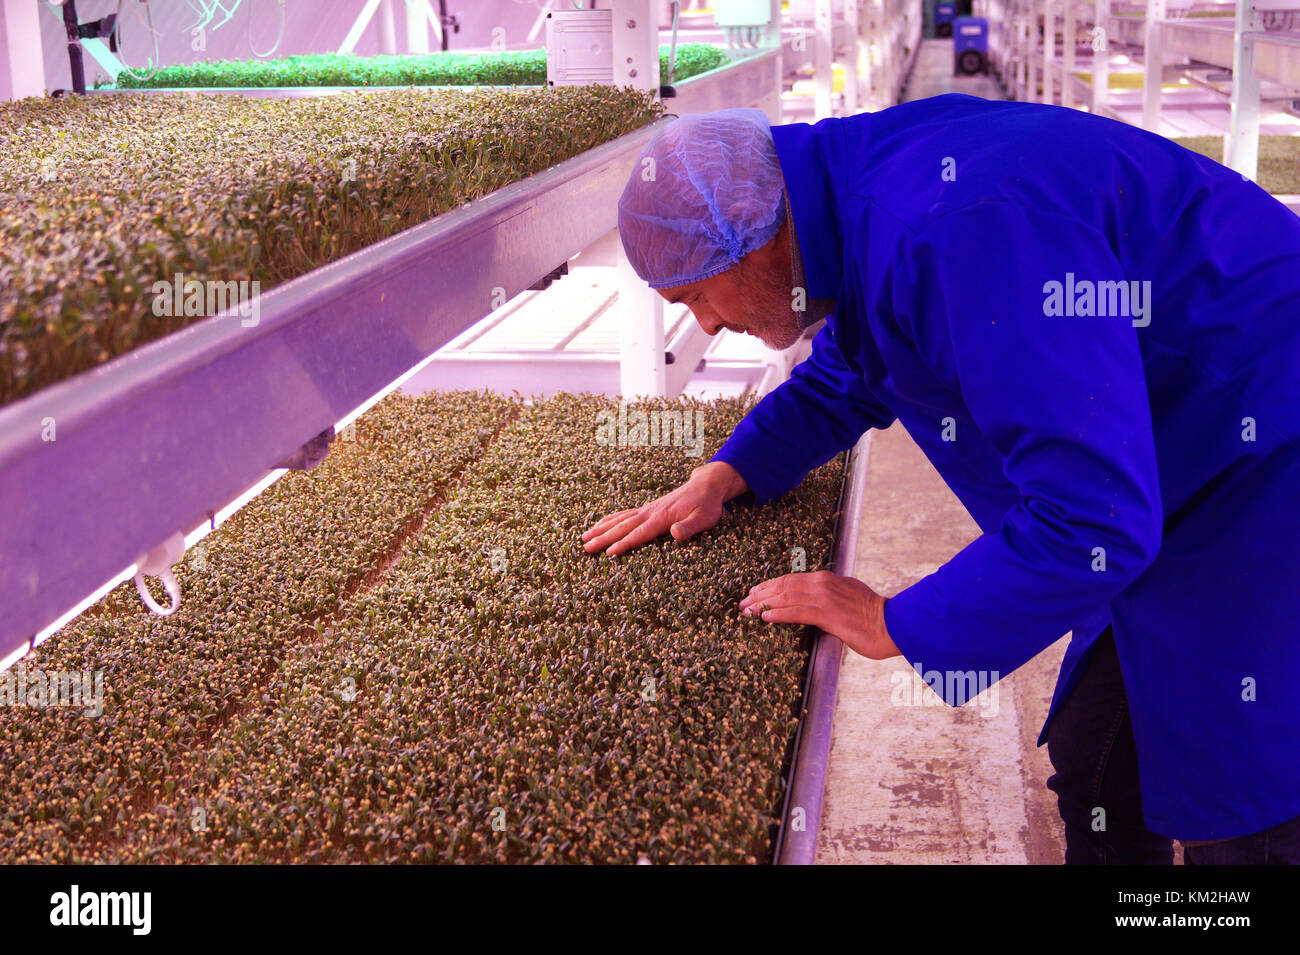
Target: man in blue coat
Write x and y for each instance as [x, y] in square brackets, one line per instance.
[1094, 335]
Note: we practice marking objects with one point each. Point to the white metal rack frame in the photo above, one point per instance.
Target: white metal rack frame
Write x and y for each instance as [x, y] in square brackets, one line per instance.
[543, 342]
[752, 79]
[874, 41]
[1024, 36]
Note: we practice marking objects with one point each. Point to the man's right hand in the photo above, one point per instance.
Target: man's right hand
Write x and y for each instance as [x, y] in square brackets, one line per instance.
[686, 511]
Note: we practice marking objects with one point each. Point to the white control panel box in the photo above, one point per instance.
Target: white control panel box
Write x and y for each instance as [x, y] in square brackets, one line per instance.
[742, 13]
[579, 47]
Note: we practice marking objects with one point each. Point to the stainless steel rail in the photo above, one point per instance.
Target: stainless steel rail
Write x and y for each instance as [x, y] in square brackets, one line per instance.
[796, 842]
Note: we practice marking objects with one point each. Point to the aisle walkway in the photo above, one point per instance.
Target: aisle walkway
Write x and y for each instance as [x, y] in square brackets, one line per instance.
[933, 75]
[910, 779]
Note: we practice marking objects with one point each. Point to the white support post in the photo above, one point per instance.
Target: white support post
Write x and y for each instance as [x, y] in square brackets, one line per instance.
[1049, 49]
[642, 369]
[771, 104]
[1071, 37]
[862, 40]
[1032, 62]
[1006, 41]
[359, 26]
[22, 66]
[636, 43]
[823, 58]
[1101, 57]
[387, 28]
[1001, 25]
[1023, 92]
[1013, 47]
[1153, 54]
[896, 20]
[885, 51]
[871, 86]
[851, 60]
[1242, 152]
[417, 26]
[772, 32]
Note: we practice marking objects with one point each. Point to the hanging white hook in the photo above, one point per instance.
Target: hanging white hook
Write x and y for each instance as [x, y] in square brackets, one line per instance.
[158, 563]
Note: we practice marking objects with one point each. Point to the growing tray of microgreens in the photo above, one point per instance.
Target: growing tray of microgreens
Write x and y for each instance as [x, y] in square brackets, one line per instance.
[104, 199]
[334, 70]
[405, 655]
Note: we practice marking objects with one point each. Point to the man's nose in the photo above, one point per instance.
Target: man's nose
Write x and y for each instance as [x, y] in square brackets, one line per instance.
[710, 322]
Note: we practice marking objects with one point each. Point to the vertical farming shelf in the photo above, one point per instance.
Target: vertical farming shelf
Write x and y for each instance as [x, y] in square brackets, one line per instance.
[153, 442]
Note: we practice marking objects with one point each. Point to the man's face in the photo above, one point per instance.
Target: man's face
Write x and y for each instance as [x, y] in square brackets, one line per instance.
[754, 296]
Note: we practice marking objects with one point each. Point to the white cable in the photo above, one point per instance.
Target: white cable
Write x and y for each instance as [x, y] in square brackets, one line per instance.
[204, 15]
[158, 563]
[279, 37]
[216, 5]
[156, 62]
[672, 50]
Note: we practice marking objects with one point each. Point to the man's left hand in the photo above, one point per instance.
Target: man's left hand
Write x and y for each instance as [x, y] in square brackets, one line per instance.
[841, 606]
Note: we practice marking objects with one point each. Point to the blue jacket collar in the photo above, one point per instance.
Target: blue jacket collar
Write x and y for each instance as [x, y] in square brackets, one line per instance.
[807, 155]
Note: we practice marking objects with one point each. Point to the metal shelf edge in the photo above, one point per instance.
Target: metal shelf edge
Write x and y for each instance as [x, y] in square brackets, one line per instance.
[812, 746]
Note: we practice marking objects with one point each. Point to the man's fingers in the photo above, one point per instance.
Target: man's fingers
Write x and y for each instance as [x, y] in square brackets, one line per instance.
[644, 533]
[803, 587]
[606, 522]
[767, 591]
[807, 614]
[758, 596]
[784, 604]
[690, 525]
[614, 533]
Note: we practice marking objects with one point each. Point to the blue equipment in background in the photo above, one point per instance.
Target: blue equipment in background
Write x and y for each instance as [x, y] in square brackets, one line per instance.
[945, 12]
[970, 45]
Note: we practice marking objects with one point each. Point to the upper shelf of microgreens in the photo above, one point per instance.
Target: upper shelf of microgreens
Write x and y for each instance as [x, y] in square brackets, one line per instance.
[520, 68]
[102, 197]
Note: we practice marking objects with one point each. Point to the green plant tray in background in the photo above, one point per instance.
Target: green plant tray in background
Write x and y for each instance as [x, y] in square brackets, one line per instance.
[1279, 160]
[521, 68]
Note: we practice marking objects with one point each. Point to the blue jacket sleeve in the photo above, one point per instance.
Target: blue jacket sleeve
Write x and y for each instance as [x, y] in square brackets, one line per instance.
[1064, 401]
[821, 410]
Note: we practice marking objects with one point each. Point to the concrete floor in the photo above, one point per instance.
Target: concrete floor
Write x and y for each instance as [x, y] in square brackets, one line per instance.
[933, 76]
[910, 779]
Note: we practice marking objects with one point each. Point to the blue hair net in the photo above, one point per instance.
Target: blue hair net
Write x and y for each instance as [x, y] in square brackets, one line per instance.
[711, 193]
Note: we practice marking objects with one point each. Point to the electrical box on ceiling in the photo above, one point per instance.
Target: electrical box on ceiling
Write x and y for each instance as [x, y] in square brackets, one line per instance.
[579, 47]
[742, 13]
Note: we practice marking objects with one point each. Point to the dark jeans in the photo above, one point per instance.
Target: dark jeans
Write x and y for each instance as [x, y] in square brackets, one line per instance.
[1090, 743]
